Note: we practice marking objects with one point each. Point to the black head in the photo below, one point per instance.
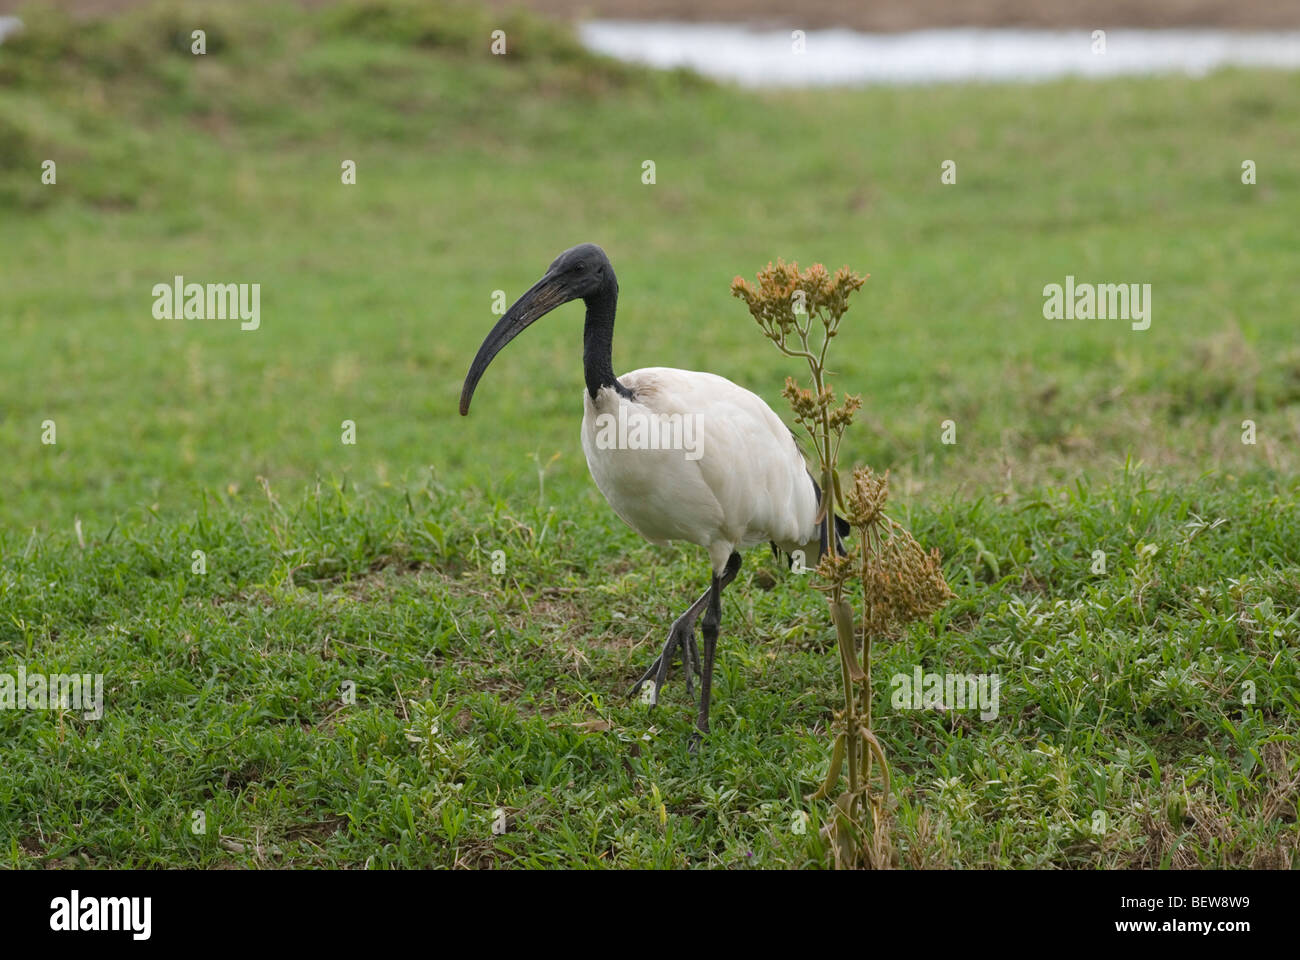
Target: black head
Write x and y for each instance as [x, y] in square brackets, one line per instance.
[583, 271]
[580, 273]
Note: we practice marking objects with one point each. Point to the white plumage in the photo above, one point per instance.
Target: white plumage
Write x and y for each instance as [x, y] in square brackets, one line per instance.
[749, 485]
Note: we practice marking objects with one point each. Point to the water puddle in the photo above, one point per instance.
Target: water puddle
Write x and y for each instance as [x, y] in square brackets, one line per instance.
[754, 58]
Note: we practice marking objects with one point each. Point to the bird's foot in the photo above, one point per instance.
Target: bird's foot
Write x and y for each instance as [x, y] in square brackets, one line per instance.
[681, 635]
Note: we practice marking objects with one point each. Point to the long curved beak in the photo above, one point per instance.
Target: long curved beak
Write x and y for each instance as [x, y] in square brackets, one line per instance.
[543, 297]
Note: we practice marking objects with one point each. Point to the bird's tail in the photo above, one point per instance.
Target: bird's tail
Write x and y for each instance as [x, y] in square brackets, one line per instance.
[823, 532]
[824, 528]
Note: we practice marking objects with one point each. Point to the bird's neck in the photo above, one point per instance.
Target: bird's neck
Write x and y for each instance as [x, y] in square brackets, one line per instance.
[598, 340]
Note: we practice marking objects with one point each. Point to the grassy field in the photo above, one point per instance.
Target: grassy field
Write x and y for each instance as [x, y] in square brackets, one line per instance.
[1122, 737]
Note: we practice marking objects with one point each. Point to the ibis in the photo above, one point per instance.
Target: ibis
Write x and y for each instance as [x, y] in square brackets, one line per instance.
[680, 455]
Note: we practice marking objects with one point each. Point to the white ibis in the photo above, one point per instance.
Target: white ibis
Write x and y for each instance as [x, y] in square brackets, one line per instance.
[679, 455]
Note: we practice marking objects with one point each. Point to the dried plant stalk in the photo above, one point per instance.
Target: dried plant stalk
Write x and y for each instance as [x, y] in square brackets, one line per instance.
[900, 582]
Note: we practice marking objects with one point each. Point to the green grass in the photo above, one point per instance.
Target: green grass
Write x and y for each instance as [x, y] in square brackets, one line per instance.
[372, 564]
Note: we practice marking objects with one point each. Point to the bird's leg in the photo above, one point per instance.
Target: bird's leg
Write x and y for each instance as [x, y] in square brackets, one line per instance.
[690, 660]
[712, 620]
[682, 634]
